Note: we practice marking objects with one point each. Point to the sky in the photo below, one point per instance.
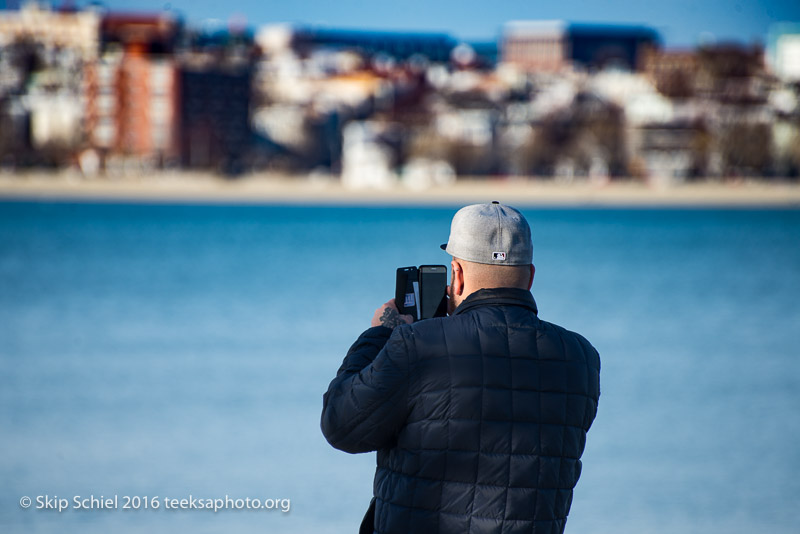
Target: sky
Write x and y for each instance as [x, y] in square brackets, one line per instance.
[681, 23]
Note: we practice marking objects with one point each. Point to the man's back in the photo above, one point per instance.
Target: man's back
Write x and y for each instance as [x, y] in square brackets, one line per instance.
[479, 418]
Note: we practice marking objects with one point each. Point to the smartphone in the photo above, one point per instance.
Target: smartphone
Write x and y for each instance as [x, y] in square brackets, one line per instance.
[406, 296]
[432, 291]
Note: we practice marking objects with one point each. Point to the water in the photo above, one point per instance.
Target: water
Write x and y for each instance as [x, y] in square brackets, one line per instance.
[175, 350]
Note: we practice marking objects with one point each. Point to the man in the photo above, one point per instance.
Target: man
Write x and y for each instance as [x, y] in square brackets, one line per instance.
[479, 418]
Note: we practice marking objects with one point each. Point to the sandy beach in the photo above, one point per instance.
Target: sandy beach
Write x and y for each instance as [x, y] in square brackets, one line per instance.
[267, 188]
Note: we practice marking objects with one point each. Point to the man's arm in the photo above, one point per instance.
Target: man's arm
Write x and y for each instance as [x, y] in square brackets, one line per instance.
[365, 404]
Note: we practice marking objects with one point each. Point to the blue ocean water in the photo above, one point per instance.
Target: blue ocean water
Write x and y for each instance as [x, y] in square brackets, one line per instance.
[170, 350]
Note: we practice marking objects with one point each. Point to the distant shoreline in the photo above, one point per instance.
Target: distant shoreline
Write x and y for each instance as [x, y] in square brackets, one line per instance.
[185, 187]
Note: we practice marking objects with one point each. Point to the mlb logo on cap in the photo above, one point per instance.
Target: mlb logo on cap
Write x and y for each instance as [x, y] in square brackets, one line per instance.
[499, 256]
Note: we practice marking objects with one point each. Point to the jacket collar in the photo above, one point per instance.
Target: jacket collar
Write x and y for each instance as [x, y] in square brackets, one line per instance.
[507, 296]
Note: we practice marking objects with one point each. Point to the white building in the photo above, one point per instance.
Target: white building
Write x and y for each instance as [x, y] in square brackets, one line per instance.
[783, 50]
[79, 30]
[366, 161]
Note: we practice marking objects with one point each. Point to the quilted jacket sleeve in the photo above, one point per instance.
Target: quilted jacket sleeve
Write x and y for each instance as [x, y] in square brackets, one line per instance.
[366, 404]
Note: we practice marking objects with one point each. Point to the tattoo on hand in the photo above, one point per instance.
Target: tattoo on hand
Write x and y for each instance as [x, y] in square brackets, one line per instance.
[391, 318]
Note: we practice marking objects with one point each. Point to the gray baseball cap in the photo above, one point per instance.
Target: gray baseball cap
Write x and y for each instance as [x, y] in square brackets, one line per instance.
[490, 233]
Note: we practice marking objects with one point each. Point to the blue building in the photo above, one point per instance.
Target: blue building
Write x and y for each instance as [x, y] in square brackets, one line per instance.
[554, 45]
[399, 45]
[598, 46]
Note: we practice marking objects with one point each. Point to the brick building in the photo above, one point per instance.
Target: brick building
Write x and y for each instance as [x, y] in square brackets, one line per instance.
[133, 89]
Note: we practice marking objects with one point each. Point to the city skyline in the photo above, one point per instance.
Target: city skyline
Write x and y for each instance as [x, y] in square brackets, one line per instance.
[681, 23]
[120, 90]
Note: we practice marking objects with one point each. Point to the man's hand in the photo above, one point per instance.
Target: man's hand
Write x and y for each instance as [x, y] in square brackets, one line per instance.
[388, 316]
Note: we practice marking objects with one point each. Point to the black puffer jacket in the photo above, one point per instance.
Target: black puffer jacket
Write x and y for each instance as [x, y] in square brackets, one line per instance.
[479, 419]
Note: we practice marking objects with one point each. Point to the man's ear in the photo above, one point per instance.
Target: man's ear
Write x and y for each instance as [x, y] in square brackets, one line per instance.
[457, 277]
[533, 272]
